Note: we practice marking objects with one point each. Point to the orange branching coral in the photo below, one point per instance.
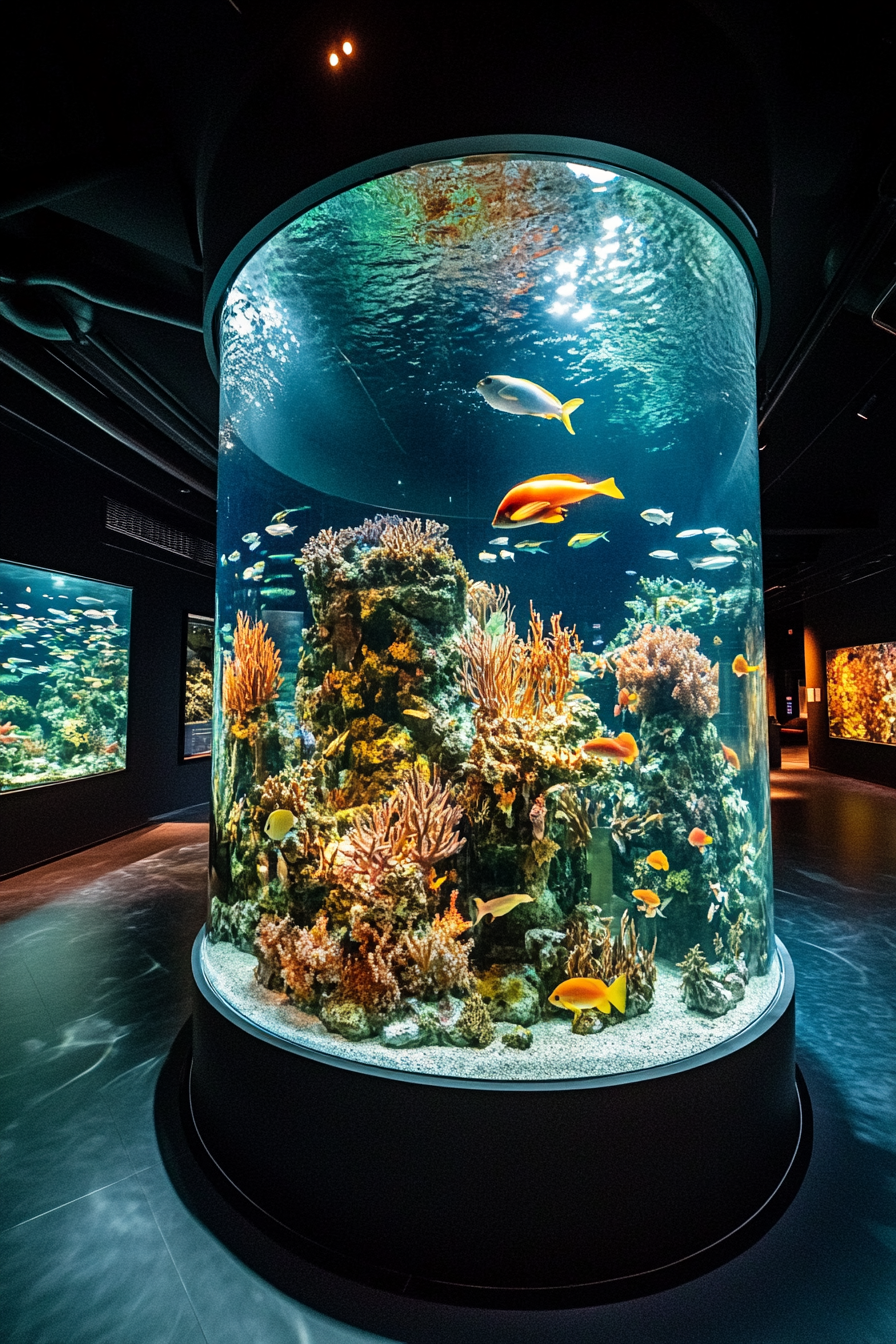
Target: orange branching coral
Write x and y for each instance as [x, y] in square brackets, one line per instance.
[418, 825]
[511, 678]
[252, 675]
[436, 962]
[666, 671]
[368, 975]
[306, 958]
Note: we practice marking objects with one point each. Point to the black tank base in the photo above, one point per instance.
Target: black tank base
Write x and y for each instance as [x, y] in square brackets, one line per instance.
[515, 1194]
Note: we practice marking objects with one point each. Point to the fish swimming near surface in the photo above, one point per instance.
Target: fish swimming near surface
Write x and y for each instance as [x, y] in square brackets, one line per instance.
[713, 562]
[731, 756]
[622, 748]
[690, 532]
[664, 555]
[725, 544]
[488, 558]
[657, 516]
[279, 824]
[649, 904]
[584, 992]
[716, 531]
[521, 397]
[533, 547]
[582, 539]
[545, 499]
[740, 667]
[280, 529]
[658, 861]
[499, 541]
[501, 905]
[699, 839]
[507, 555]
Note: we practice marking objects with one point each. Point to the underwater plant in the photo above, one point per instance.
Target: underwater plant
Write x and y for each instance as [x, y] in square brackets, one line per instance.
[252, 673]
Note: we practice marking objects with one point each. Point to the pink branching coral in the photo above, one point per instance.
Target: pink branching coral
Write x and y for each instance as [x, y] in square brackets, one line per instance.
[435, 962]
[418, 825]
[510, 678]
[306, 958]
[367, 974]
[663, 667]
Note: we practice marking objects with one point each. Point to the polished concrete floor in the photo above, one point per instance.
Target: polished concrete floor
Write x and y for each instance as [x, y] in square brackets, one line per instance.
[97, 1246]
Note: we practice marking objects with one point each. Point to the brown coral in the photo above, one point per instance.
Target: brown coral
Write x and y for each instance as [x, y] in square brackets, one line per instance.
[510, 678]
[418, 824]
[411, 538]
[436, 962]
[663, 667]
[367, 973]
[306, 958]
[592, 951]
[252, 674]
[475, 1023]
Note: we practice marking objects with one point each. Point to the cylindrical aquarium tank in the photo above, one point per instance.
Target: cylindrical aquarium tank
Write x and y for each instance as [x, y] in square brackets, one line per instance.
[491, 799]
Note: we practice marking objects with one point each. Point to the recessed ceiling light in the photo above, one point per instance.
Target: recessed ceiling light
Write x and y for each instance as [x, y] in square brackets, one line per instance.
[333, 58]
[347, 48]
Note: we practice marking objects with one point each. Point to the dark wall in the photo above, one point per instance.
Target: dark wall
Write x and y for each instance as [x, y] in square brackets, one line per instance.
[53, 516]
[859, 613]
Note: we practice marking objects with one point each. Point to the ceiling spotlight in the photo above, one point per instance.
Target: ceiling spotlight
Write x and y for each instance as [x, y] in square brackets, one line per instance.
[347, 48]
[333, 58]
[869, 406]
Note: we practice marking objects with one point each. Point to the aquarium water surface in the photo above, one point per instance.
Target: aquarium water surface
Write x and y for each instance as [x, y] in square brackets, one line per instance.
[490, 766]
[64, 645]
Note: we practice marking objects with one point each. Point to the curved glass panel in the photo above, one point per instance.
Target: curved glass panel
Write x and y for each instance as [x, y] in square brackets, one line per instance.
[491, 779]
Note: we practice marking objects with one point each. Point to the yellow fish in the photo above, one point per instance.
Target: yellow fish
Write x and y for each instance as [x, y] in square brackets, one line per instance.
[416, 713]
[658, 860]
[519, 396]
[583, 539]
[588, 992]
[279, 824]
[740, 667]
[501, 905]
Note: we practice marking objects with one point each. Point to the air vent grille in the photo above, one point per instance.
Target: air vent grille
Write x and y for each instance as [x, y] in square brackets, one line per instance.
[131, 523]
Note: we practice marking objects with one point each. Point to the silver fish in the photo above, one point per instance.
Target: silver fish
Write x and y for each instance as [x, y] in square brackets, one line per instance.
[280, 529]
[656, 516]
[664, 555]
[725, 544]
[713, 562]
[690, 532]
[716, 531]
[234, 555]
[251, 536]
[499, 541]
[487, 558]
[507, 555]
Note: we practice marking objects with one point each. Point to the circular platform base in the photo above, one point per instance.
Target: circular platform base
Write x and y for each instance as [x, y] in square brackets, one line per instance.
[509, 1193]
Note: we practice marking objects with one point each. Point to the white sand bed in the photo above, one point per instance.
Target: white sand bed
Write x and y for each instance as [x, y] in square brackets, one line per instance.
[668, 1032]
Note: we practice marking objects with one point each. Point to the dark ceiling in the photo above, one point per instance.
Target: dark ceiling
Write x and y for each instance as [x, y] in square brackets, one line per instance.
[112, 122]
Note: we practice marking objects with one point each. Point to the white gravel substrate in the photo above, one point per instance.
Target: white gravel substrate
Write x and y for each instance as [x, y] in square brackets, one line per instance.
[667, 1033]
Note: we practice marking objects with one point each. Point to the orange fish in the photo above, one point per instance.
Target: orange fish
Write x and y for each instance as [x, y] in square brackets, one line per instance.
[649, 903]
[544, 499]
[621, 748]
[699, 839]
[658, 860]
[731, 756]
[588, 992]
[740, 667]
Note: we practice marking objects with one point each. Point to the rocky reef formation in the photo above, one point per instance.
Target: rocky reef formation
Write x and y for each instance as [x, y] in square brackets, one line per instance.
[433, 852]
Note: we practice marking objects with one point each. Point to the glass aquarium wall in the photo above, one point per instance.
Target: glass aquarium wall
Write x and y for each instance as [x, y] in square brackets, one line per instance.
[490, 758]
[862, 693]
[64, 645]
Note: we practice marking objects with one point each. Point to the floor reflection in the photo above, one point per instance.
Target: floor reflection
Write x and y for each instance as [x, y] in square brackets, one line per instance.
[96, 1245]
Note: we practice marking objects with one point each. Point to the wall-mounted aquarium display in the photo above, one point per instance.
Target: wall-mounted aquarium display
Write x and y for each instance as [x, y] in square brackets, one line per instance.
[862, 693]
[198, 700]
[490, 749]
[64, 645]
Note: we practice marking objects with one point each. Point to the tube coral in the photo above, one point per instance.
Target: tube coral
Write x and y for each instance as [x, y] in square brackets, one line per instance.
[252, 675]
[666, 671]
